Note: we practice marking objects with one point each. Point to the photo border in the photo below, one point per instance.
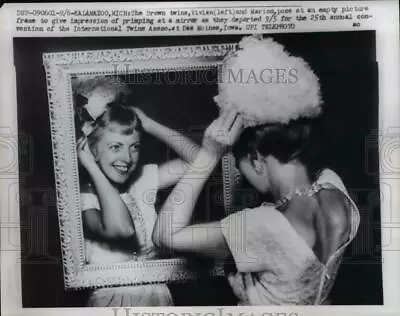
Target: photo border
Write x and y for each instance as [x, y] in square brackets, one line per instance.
[385, 21]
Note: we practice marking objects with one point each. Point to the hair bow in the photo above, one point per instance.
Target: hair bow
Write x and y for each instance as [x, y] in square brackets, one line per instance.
[95, 107]
[93, 95]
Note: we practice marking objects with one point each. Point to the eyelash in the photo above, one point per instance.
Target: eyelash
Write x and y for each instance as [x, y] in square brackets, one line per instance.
[115, 148]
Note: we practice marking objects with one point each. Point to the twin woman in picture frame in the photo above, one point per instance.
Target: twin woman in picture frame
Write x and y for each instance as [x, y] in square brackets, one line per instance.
[285, 252]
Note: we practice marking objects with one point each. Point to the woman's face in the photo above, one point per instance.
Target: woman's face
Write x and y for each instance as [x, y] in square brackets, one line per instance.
[117, 154]
[256, 175]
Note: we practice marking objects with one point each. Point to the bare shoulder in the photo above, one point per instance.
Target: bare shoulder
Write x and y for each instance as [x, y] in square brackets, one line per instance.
[332, 222]
[335, 209]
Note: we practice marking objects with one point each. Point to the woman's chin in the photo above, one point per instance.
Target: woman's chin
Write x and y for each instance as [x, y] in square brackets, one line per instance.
[118, 179]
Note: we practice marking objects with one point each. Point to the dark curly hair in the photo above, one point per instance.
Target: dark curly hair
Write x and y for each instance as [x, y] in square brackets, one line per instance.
[299, 139]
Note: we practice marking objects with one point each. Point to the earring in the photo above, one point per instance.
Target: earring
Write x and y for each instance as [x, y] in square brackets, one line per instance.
[96, 156]
[258, 167]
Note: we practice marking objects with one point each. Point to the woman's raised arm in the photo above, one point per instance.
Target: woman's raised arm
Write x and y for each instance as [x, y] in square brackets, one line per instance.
[170, 172]
[114, 220]
[172, 229]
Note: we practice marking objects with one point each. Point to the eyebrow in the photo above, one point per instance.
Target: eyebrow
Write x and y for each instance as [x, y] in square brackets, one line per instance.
[114, 143]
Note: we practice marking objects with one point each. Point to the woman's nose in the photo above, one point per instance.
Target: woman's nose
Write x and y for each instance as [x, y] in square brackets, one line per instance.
[125, 156]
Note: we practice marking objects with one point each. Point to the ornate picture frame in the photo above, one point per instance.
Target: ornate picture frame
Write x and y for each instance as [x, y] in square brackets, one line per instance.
[60, 68]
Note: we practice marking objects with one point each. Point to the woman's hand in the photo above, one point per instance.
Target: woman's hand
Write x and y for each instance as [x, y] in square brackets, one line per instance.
[85, 155]
[146, 121]
[222, 133]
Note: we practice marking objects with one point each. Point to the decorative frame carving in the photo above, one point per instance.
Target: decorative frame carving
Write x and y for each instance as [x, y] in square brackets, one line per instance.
[60, 68]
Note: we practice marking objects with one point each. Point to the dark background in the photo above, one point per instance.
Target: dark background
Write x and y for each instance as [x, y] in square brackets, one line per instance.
[346, 65]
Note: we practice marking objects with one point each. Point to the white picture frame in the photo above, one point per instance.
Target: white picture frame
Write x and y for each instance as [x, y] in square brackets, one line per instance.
[59, 69]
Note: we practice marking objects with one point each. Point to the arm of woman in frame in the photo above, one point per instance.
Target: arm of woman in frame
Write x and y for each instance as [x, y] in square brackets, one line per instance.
[172, 171]
[172, 229]
[114, 220]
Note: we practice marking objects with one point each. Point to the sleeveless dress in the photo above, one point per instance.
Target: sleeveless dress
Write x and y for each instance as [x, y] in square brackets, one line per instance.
[274, 264]
[140, 201]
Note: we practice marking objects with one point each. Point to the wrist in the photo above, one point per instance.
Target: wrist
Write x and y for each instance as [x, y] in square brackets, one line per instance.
[93, 169]
[148, 125]
[204, 162]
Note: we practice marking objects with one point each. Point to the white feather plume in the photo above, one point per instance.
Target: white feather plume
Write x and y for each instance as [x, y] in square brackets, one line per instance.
[250, 84]
[99, 90]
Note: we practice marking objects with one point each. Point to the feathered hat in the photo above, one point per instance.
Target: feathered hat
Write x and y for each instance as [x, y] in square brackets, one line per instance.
[266, 84]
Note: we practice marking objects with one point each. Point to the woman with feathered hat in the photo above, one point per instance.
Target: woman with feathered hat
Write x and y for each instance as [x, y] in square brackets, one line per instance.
[287, 252]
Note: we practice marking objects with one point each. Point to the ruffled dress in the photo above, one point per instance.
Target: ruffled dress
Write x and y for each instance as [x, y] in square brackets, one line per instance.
[140, 201]
[275, 266]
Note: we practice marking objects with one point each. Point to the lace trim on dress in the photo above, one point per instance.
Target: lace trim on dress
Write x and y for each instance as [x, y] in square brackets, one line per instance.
[285, 276]
[331, 268]
[146, 251]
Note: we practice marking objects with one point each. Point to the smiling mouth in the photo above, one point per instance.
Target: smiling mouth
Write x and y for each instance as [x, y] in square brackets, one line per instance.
[122, 168]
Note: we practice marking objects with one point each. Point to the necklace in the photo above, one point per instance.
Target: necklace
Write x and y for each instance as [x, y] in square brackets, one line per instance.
[309, 191]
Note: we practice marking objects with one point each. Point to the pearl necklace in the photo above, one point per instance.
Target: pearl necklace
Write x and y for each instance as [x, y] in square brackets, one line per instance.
[309, 191]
